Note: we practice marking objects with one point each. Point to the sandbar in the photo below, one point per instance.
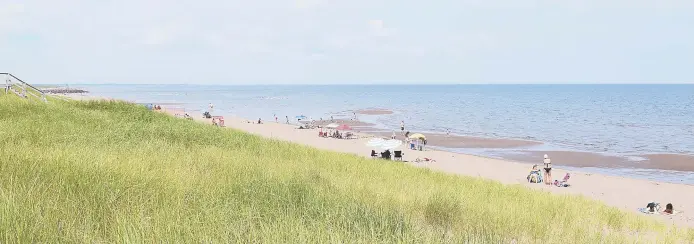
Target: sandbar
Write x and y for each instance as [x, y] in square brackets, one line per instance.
[374, 111]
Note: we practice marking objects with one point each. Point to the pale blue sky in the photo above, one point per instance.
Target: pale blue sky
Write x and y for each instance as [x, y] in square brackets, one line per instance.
[355, 41]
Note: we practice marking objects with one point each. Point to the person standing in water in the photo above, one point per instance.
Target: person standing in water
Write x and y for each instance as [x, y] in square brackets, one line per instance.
[548, 170]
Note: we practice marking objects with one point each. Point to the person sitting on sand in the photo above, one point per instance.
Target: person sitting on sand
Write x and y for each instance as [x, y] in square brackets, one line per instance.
[652, 207]
[668, 209]
[548, 170]
[418, 160]
[535, 175]
[564, 182]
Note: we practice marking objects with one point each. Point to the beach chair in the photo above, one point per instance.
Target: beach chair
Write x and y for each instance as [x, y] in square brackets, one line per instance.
[386, 155]
[374, 154]
[397, 155]
[535, 177]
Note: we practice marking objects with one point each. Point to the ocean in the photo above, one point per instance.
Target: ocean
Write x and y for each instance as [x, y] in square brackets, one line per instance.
[624, 120]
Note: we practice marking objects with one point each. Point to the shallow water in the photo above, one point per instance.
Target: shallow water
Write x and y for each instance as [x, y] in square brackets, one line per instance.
[612, 119]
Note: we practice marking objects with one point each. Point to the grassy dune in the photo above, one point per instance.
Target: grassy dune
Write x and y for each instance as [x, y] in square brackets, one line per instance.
[115, 172]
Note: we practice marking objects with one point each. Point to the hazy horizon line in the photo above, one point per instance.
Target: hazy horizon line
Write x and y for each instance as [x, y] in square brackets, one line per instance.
[370, 84]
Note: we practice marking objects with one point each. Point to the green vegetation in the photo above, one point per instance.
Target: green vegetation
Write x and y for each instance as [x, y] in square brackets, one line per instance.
[30, 93]
[115, 172]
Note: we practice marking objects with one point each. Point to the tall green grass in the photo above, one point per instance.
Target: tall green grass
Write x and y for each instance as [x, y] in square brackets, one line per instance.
[115, 172]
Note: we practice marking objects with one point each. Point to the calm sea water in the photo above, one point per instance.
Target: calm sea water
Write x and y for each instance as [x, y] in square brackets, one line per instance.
[617, 119]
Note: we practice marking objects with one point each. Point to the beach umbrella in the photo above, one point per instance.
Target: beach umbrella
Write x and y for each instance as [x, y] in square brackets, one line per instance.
[344, 127]
[417, 136]
[375, 142]
[332, 126]
[391, 144]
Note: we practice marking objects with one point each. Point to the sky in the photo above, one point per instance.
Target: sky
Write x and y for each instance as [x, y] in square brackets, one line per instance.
[347, 42]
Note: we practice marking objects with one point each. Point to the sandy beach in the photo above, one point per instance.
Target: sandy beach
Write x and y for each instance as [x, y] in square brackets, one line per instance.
[621, 192]
[624, 193]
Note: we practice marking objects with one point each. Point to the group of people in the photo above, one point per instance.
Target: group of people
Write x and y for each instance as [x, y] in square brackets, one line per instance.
[545, 176]
[654, 208]
[154, 107]
[416, 143]
[335, 134]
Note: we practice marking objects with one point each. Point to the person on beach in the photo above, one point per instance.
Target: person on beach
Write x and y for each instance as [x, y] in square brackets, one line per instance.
[211, 107]
[393, 136]
[669, 209]
[259, 121]
[535, 175]
[275, 115]
[548, 170]
[402, 126]
[287, 119]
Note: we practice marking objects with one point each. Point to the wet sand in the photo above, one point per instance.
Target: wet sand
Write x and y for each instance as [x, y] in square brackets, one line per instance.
[573, 159]
[587, 159]
[351, 123]
[669, 161]
[455, 141]
[374, 111]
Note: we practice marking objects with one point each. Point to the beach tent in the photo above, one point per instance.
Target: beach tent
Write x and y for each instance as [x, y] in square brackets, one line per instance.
[344, 127]
[375, 142]
[332, 126]
[417, 136]
[391, 144]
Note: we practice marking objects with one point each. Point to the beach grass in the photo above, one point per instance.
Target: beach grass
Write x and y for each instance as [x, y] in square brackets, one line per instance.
[104, 171]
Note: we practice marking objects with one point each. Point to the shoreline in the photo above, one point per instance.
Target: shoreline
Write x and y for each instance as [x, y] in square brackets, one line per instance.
[622, 192]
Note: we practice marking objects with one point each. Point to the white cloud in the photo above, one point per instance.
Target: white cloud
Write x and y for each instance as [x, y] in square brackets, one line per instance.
[308, 4]
[8, 15]
[133, 35]
[377, 28]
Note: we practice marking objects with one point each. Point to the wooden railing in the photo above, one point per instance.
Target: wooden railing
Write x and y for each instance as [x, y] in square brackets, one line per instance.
[21, 88]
